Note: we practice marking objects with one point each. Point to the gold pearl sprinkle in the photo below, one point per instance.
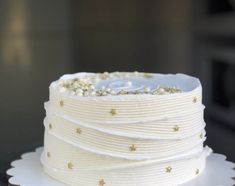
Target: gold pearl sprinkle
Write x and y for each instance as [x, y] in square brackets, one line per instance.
[195, 100]
[168, 169]
[197, 171]
[61, 103]
[113, 112]
[70, 165]
[50, 126]
[122, 92]
[48, 154]
[176, 128]
[102, 182]
[132, 147]
[78, 130]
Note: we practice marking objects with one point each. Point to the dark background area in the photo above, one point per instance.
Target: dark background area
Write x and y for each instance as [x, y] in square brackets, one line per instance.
[41, 40]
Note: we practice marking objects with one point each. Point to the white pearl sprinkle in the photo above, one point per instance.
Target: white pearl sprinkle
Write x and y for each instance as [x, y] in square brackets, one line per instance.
[112, 92]
[108, 89]
[146, 89]
[93, 93]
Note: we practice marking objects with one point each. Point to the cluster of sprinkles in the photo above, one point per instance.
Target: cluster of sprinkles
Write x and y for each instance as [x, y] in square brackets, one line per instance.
[76, 86]
[166, 90]
[86, 86]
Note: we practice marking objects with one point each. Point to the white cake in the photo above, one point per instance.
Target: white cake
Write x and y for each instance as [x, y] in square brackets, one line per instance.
[124, 129]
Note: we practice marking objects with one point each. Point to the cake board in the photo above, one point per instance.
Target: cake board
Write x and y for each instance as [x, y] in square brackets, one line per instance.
[28, 171]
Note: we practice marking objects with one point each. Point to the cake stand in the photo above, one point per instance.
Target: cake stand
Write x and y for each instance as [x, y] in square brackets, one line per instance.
[27, 171]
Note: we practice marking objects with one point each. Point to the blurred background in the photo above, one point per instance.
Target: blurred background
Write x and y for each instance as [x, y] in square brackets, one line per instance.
[41, 40]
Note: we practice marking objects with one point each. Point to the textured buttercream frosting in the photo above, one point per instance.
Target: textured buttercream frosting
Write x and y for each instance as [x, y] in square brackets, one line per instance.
[122, 128]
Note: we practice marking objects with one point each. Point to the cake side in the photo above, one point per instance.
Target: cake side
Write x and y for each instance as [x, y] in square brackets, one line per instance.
[120, 122]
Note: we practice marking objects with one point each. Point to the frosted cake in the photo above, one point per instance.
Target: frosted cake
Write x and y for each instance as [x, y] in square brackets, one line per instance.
[124, 129]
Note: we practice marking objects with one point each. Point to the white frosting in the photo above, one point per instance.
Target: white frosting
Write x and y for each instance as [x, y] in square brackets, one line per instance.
[89, 168]
[125, 139]
[189, 124]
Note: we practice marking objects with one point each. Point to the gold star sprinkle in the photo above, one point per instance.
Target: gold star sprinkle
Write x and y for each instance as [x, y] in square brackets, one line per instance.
[50, 126]
[201, 136]
[79, 131]
[132, 147]
[197, 171]
[113, 112]
[61, 103]
[48, 154]
[176, 128]
[70, 165]
[102, 182]
[168, 169]
[195, 100]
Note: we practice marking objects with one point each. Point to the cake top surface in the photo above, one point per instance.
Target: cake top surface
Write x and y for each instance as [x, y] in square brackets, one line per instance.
[85, 84]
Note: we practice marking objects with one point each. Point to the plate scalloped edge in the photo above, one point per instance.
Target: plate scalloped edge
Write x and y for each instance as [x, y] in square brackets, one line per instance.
[27, 171]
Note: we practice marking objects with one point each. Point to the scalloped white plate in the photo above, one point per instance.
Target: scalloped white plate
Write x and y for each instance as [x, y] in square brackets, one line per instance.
[27, 171]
